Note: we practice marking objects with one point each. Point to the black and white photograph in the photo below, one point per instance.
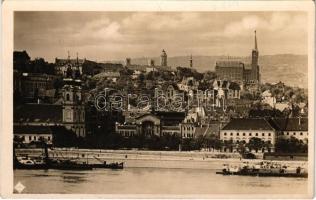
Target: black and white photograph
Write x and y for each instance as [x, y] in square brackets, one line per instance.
[162, 102]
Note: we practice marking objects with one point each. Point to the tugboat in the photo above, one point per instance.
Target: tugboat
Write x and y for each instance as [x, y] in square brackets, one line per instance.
[65, 164]
[47, 163]
[264, 169]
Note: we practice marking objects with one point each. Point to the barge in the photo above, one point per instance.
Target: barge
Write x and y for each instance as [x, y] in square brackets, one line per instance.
[265, 169]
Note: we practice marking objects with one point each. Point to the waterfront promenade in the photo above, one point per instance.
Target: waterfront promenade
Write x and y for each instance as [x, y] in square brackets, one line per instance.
[156, 159]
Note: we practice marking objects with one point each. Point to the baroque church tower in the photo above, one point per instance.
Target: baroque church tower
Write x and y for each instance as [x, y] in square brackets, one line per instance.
[73, 108]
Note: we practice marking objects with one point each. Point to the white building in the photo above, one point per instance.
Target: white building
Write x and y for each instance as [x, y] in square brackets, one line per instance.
[242, 129]
[292, 127]
[28, 134]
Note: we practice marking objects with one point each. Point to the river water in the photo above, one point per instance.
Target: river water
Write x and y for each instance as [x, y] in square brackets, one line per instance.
[178, 178]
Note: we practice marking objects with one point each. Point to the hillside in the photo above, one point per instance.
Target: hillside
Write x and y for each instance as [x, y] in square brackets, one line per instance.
[288, 68]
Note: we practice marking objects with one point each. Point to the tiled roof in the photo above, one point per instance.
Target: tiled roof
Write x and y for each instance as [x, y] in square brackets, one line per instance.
[290, 124]
[170, 115]
[38, 113]
[248, 124]
[31, 130]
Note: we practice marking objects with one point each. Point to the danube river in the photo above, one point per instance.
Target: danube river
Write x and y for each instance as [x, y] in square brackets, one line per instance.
[169, 178]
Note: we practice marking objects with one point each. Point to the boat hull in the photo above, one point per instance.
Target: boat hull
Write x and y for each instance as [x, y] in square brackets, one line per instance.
[266, 174]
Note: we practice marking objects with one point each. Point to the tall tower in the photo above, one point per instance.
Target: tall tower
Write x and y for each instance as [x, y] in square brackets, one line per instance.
[73, 109]
[163, 58]
[191, 62]
[254, 61]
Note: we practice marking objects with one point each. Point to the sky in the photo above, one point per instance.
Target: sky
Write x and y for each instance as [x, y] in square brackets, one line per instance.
[106, 36]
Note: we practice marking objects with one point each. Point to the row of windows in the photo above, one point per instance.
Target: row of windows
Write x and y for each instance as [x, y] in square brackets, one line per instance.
[294, 133]
[188, 128]
[35, 138]
[126, 133]
[243, 140]
[188, 135]
[249, 134]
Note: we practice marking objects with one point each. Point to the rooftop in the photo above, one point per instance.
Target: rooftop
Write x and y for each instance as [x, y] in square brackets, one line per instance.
[248, 124]
[38, 113]
[290, 124]
[31, 130]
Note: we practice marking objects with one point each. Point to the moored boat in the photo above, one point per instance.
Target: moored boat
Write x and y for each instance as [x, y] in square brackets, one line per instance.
[264, 169]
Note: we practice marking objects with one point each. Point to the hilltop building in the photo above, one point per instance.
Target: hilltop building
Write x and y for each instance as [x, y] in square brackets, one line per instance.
[247, 75]
[151, 64]
[33, 85]
[69, 67]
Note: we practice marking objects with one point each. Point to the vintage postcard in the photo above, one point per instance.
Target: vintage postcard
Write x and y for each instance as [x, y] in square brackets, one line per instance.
[157, 99]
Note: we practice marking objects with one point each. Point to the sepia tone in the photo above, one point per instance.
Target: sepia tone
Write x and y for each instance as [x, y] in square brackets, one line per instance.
[148, 103]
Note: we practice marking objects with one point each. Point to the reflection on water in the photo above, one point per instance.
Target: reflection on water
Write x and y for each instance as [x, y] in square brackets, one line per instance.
[153, 181]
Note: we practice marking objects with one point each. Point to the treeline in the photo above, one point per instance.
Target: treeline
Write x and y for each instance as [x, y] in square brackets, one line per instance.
[23, 63]
[166, 142]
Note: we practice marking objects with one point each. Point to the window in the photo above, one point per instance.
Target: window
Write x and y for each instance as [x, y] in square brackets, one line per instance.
[244, 134]
[34, 137]
[294, 133]
[256, 134]
[231, 134]
[269, 134]
[67, 97]
[225, 133]
[48, 138]
[262, 134]
[237, 134]
[301, 133]
[30, 138]
[287, 133]
[249, 134]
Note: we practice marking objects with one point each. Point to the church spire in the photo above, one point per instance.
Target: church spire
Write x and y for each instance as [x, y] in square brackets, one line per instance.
[256, 46]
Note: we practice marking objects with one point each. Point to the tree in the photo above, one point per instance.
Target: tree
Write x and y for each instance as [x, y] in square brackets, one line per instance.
[229, 144]
[241, 147]
[292, 145]
[255, 144]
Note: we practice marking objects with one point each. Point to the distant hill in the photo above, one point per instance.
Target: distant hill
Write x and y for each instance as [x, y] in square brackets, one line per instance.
[288, 68]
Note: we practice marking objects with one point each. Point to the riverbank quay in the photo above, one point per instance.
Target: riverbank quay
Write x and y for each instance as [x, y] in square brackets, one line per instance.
[142, 158]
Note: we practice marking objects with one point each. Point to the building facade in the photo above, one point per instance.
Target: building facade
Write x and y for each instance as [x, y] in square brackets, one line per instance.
[243, 129]
[69, 67]
[28, 134]
[292, 127]
[152, 124]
